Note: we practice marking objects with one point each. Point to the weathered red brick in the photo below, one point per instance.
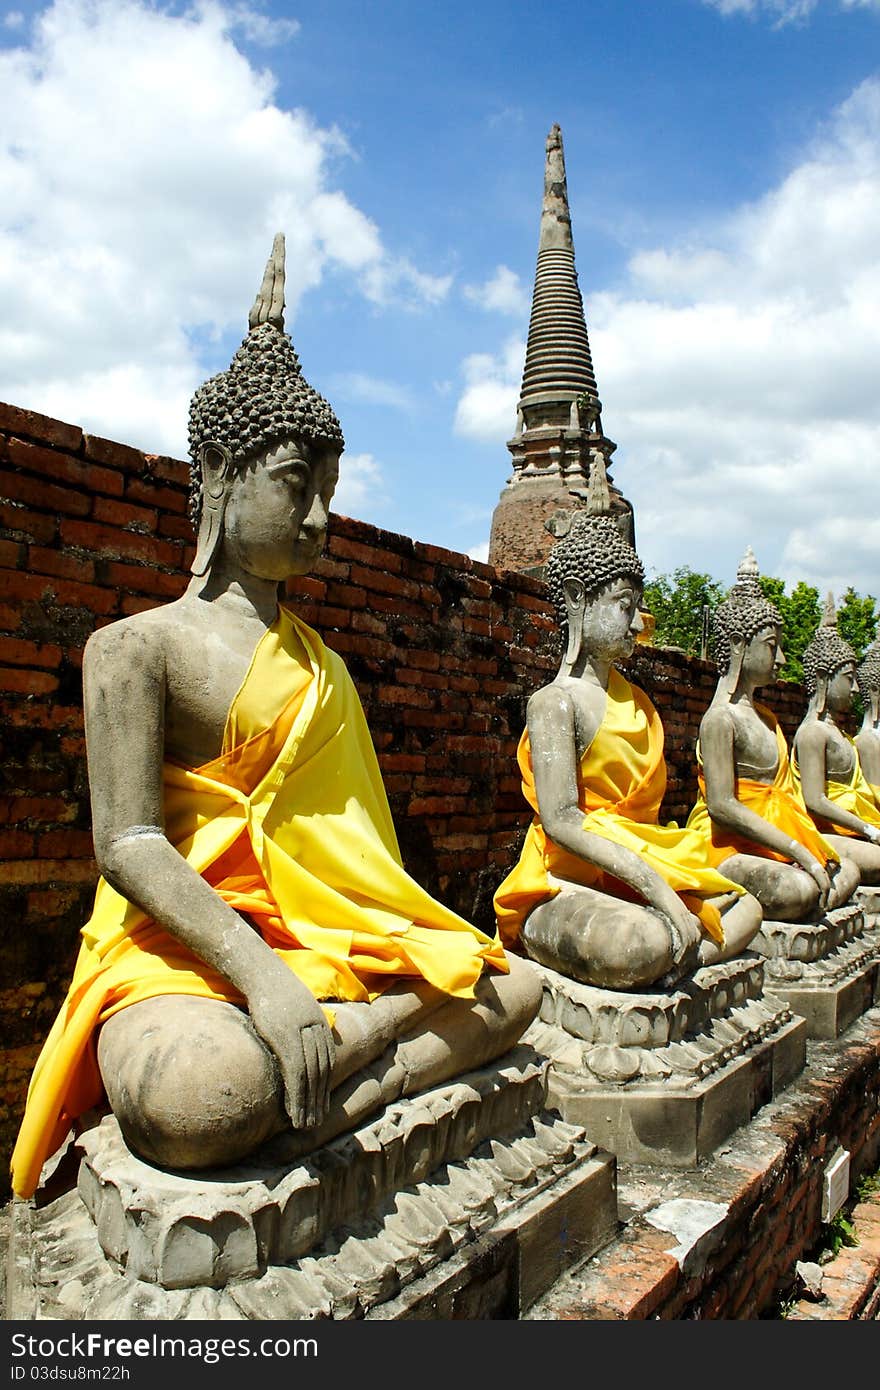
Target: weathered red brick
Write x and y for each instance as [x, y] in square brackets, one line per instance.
[18, 487]
[116, 455]
[42, 427]
[55, 871]
[124, 514]
[85, 477]
[42, 560]
[73, 844]
[27, 681]
[19, 652]
[32, 526]
[120, 545]
[156, 497]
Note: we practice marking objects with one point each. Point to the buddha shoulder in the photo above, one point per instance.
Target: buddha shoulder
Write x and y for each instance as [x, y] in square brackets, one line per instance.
[566, 709]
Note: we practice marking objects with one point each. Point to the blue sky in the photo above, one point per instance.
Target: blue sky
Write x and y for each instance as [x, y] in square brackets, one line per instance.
[724, 178]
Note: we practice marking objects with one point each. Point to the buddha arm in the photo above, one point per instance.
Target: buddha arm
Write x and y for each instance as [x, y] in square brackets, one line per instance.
[718, 750]
[124, 698]
[811, 742]
[553, 740]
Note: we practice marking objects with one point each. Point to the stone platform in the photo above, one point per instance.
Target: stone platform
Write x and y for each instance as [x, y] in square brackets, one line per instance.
[468, 1200]
[827, 971]
[665, 1076]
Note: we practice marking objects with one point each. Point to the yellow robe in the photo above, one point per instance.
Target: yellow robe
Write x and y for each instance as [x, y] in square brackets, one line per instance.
[292, 827]
[780, 802]
[855, 795]
[621, 783]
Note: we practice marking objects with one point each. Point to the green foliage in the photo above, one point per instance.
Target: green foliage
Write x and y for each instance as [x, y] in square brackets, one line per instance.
[837, 1233]
[676, 603]
[801, 613]
[857, 620]
[677, 600]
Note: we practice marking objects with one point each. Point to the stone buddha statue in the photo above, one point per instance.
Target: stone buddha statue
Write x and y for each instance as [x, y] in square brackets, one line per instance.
[602, 892]
[867, 740]
[826, 760]
[258, 961]
[761, 833]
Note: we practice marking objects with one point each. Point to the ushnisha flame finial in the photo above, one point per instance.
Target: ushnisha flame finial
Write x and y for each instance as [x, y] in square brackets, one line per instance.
[269, 303]
[598, 491]
[829, 612]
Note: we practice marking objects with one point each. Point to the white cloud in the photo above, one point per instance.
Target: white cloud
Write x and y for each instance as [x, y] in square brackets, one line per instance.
[361, 485]
[144, 169]
[504, 293]
[259, 28]
[738, 373]
[13, 20]
[486, 409]
[785, 11]
[480, 552]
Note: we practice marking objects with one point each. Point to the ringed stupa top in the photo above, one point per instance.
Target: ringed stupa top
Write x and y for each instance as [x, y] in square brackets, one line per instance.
[558, 350]
[558, 421]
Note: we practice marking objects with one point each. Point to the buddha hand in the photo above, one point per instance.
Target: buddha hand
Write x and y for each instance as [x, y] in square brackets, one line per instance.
[811, 865]
[291, 1023]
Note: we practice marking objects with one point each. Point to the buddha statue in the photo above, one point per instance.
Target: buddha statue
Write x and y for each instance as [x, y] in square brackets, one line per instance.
[867, 740]
[602, 892]
[826, 760]
[749, 805]
[258, 961]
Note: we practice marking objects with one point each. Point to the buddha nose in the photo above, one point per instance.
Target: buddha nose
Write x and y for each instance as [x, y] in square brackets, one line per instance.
[317, 519]
[638, 623]
[779, 658]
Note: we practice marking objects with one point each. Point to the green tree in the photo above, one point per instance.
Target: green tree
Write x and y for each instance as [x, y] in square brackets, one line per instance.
[857, 620]
[676, 603]
[801, 614]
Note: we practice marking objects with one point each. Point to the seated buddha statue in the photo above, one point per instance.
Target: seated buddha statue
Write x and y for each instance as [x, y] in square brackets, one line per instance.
[258, 961]
[602, 892]
[761, 833]
[867, 740]
[826, 760]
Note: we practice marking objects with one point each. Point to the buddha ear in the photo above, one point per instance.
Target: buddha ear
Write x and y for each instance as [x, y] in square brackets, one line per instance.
[575, 596]
[821, 694]
[737, 652]
[216, 466]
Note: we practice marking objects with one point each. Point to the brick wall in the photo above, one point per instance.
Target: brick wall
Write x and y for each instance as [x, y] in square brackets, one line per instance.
[443, 650]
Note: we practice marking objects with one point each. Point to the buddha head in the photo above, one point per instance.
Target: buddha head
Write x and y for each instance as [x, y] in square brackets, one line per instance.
[264, 448]
[829, 666]
[595, 579]
[868, 679]
[746, 629]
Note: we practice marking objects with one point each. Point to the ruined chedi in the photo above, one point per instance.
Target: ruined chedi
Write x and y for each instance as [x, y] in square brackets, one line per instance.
[559, 416]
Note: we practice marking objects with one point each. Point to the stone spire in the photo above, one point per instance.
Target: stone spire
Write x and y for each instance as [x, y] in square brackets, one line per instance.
[559, 433]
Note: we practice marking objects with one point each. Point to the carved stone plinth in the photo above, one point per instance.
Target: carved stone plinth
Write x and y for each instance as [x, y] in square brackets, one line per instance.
[666, 1076]
[869, 901]
[466, 1201]
[827, 970]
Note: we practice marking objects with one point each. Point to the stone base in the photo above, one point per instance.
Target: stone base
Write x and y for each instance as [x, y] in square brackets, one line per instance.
[828, 971]
[665, 1077]
[869, 901]
[466, 1201]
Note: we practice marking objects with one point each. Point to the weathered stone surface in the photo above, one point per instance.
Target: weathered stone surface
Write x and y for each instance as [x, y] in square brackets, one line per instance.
[666, 1076]
[827, 970]
[404, 1217]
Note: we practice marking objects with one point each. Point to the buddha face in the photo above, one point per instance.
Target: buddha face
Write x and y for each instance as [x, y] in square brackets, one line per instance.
[277, 513]
[612, 621]
[763, 657]
[840, 688]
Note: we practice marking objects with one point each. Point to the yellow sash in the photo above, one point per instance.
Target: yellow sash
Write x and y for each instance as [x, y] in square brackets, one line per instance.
[780, 802]
[621, 783]
[855, 795]
[291, 825]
